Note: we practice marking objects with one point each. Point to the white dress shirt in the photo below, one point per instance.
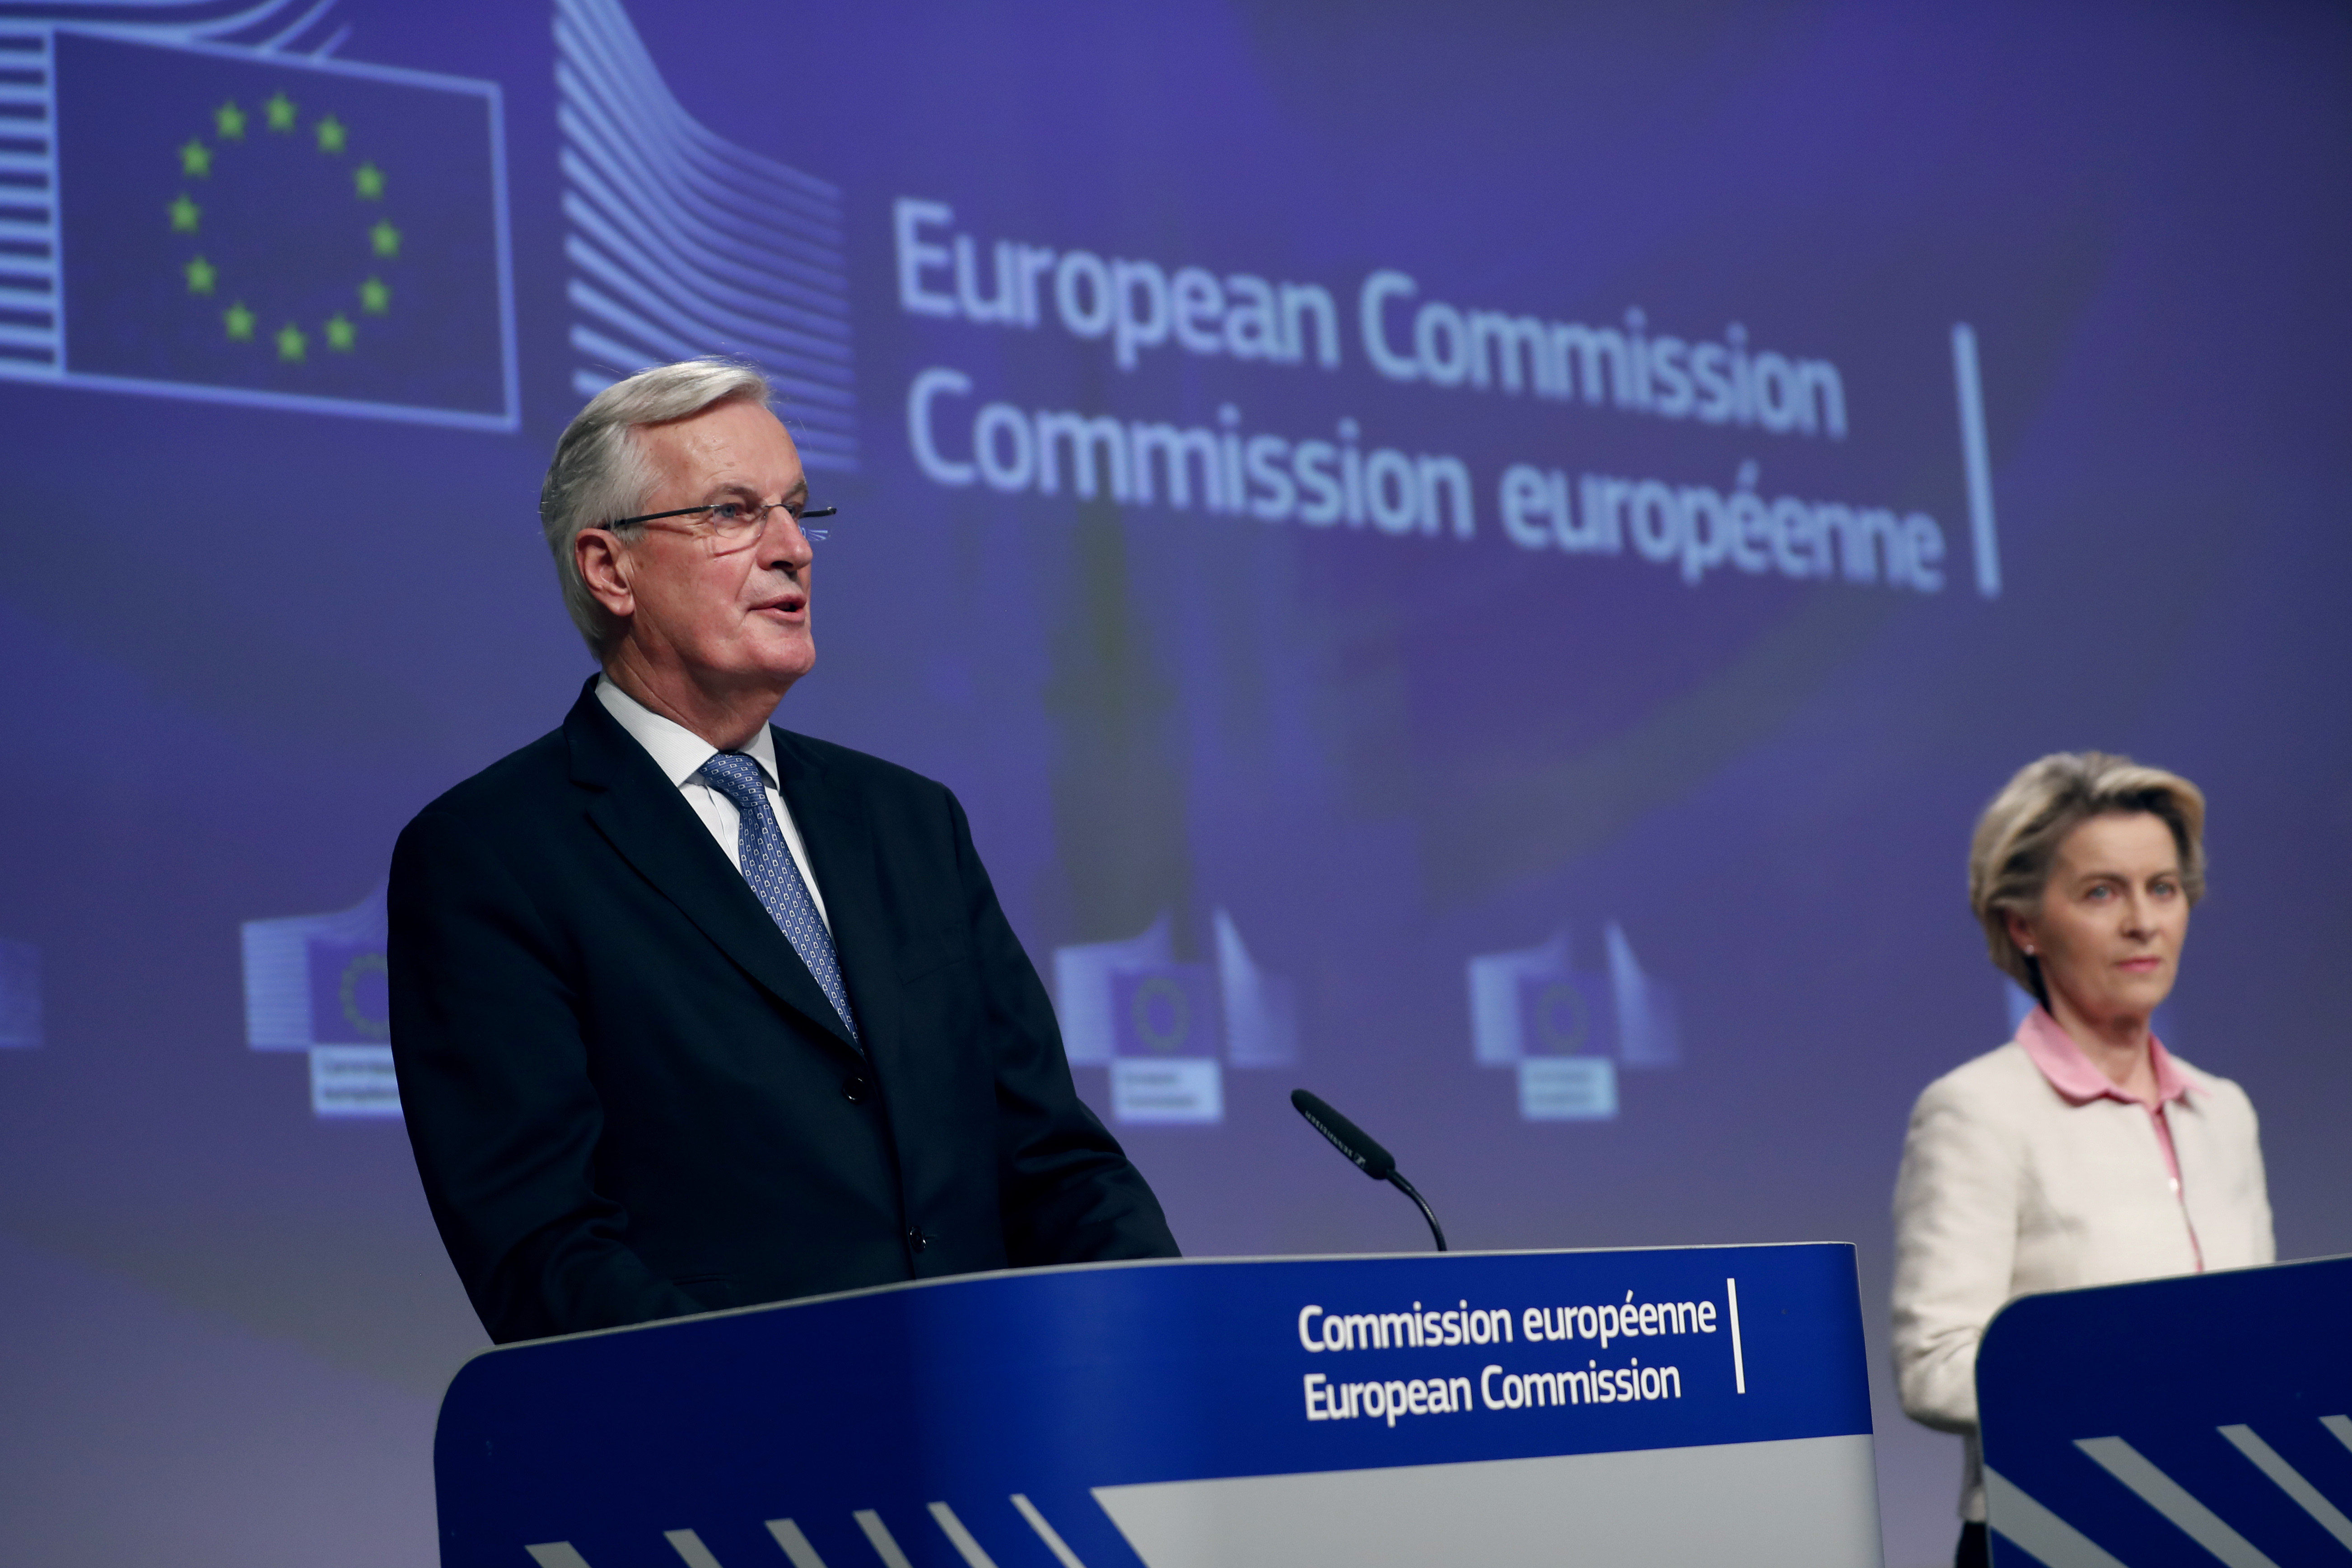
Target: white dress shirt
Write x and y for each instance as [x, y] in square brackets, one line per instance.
[2011, 1185]
[679, 753]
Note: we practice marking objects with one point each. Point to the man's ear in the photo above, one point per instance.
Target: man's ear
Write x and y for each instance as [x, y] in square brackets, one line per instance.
[605, 567]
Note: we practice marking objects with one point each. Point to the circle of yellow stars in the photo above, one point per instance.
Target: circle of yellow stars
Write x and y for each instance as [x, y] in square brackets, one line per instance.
[281, 116]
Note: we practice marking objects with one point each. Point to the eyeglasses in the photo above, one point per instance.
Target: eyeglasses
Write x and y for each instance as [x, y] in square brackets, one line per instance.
[736, 521]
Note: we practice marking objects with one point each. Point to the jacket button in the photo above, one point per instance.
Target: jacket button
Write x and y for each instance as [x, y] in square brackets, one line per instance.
[856, 1089]
[916, 1240]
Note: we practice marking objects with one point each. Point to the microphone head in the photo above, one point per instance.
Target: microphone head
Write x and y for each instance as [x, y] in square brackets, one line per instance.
[1345, 1135]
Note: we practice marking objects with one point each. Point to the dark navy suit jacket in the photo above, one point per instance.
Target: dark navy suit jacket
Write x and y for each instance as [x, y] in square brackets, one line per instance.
[629, 1099]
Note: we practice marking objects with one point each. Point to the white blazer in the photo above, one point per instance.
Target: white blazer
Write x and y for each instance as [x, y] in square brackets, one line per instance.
[2009, 1188]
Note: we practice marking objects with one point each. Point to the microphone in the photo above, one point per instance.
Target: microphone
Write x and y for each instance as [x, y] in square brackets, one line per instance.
[1363, 1149]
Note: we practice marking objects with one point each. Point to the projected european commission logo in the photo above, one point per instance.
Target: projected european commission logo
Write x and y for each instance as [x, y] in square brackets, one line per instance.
[683, 242]
[196, 220]
[318, 983]
[1567, 1031]
[1167, 1030]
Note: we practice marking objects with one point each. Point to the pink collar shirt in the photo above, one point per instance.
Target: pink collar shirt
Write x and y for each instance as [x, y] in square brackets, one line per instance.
[2079, 1082]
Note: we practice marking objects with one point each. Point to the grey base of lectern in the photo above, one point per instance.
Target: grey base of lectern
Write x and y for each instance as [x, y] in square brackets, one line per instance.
[1721, 1503]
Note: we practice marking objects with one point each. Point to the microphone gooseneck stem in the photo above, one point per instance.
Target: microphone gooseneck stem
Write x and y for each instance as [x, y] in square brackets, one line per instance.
[1397, 1181]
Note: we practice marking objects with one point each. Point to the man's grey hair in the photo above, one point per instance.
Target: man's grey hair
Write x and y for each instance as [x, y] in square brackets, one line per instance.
[2017, 839]
[600, 471]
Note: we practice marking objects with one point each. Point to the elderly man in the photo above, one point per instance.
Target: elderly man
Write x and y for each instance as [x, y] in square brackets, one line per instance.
[690, 1012]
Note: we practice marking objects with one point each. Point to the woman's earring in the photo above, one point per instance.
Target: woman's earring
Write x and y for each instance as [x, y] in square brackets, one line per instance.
[2029, 950]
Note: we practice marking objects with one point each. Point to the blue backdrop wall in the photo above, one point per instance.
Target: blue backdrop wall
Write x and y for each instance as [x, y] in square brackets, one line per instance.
[1480, 559]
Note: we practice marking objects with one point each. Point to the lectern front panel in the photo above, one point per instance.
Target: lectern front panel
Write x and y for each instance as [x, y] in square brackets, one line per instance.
[1658, 1407]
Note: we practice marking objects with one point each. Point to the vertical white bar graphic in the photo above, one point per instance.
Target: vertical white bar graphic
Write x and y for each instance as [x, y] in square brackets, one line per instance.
[2173, 1501]
[40, 101]
[1046, 1533]
[1974, 458]
[960, 1538]
[2290, 1481]
[795, 1544]
[1738, 1362]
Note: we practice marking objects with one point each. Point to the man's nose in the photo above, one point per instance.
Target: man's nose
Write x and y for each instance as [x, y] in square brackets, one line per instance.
[782, 546]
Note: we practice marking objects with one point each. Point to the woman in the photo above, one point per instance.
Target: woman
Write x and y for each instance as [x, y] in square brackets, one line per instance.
[2082, 1152]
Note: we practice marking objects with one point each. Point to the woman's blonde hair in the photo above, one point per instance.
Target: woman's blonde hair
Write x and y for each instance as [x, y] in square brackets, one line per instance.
[2019, 834]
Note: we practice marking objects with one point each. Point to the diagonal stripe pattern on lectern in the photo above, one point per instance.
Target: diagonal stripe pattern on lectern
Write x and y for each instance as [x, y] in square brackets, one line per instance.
[2290, 1481]
[2173, 1501]
[689, 1549]
[795, 1542]
[1046, 1533]
[2018, 1517]
[878, 1536]
[967, 1548]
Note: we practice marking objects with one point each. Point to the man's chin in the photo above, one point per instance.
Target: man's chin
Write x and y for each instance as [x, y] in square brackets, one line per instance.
[786, 662]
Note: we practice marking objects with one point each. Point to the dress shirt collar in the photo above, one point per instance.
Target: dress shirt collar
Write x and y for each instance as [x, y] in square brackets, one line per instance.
[2074, 1074]
[677, 751]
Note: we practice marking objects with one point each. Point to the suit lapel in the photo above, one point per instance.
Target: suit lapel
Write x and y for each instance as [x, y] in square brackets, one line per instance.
[838, 834]
[641, 814]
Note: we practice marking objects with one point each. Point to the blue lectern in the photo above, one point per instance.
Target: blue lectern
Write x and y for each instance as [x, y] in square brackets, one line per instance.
[1669, 1406]
[2182, 1422]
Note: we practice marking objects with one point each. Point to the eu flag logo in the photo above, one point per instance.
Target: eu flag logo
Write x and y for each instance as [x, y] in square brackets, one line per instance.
[298, 232]
[1168, 1010]
[1159, 1025]
[349, 992]
[1565, 1013]
[320, 984]
[1167, 1021]
[1566, 1031]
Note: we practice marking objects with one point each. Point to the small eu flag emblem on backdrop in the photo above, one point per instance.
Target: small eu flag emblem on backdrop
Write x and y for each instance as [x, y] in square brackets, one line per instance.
[257, 228]
[1565, 1013]
[1167, 1010]
[1169, 1029]
[349, 992]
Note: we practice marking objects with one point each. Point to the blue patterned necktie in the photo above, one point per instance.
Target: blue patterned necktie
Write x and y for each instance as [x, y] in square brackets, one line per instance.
[768, 867]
